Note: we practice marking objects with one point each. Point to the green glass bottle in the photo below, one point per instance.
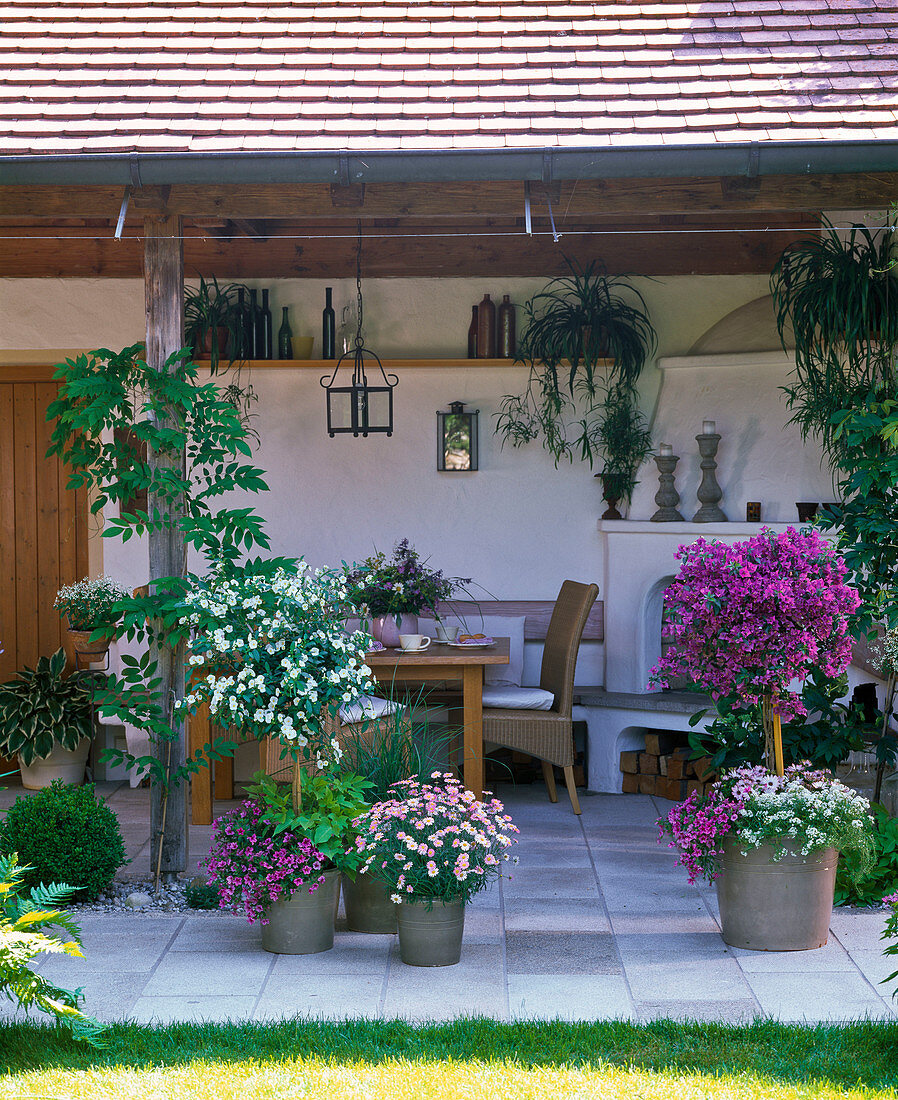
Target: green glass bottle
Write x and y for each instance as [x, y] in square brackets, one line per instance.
[285, 338]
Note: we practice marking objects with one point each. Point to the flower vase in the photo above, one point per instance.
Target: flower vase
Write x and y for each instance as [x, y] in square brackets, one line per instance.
[386, 631]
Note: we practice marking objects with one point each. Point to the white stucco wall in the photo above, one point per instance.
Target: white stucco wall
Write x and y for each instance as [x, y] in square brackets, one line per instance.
[518, 526]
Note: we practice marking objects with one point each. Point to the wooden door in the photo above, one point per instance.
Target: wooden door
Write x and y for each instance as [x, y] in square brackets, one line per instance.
[43, 525]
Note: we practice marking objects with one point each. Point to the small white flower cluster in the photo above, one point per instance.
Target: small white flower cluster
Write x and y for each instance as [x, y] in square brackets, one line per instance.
[885, 653]
[89, 603]
[278, 657]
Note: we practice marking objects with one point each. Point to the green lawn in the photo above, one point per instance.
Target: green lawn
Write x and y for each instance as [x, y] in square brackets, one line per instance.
[475, 1058]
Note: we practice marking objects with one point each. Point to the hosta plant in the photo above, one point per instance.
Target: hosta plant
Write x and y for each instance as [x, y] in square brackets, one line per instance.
[756, 808]
[434, 841]
[43, 707]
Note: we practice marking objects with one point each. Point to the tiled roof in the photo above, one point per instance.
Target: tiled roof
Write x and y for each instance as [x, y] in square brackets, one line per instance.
[213, 75]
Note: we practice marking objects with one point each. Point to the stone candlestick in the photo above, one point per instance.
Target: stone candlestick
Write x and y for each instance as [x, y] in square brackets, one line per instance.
[667, 498]
[709, 492]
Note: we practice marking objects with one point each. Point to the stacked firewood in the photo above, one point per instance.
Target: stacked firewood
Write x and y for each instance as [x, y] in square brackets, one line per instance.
[665, 768]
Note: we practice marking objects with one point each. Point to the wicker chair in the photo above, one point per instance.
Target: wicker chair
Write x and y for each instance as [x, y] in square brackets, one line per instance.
[548, 734]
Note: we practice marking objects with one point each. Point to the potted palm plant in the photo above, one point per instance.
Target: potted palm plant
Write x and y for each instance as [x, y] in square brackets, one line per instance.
[45, 719]
[586, 339]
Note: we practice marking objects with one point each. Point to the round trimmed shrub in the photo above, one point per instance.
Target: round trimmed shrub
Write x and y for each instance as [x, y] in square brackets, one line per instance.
[65, 834]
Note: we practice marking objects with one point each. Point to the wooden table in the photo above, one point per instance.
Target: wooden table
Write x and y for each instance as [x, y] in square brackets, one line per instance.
[439, 663]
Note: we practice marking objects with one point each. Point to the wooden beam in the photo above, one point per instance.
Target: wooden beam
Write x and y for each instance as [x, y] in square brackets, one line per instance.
[456, 250]
[164, 288]
[255, 230]
[811, 193]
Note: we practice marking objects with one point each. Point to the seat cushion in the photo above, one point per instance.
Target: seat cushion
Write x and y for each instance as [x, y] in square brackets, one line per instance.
[517, 698]
[368, 708]
[496, 626]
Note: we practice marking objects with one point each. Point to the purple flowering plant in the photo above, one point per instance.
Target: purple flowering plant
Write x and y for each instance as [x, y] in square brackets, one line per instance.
[748, 619]
[434, 841]
[252, 868]
[805, 804]
[401, 585]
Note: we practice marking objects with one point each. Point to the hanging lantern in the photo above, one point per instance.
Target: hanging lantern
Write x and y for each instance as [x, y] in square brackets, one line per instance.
[359, 408]
[457, 439]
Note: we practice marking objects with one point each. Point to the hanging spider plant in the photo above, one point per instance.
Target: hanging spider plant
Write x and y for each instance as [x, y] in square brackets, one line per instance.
[586, 340]
[839, 296]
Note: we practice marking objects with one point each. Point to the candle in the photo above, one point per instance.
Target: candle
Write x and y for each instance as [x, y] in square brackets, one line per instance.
[666, 449]
[709, 427]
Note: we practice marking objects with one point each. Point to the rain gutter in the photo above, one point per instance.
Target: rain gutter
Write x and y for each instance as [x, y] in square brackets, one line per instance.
[748, 159]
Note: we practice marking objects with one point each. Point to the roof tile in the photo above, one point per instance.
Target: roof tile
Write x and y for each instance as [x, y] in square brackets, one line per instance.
[103, 75]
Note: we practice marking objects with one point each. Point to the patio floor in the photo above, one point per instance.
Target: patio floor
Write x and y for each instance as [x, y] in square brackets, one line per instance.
[596, 922]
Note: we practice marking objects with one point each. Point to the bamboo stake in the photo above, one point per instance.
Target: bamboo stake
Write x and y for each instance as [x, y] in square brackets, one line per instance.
[778, 743]
[773, 736]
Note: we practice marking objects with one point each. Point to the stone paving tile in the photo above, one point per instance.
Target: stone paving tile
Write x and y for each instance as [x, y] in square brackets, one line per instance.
[474, 987]
[342, 996]
[641, 894]
[830, 958]
[561, 953]
[569, 996]
[483, 926]
[182, 971]
[814, 998]
[657, 921]
[218, 932]
[858, 929]
[555, 915]
[548, 882]
[352, 953]
[739, 1011]
[876, 967]
[196, 1009]
[669, 980]
[549, 857]
[683, 947]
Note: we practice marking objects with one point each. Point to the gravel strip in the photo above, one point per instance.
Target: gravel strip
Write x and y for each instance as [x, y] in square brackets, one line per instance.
[170, 899]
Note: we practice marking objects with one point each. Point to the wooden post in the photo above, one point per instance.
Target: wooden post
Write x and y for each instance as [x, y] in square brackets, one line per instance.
[773, 736]
[164, 286]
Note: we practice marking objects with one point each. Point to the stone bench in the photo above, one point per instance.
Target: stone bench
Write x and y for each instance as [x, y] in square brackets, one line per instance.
[618, 720]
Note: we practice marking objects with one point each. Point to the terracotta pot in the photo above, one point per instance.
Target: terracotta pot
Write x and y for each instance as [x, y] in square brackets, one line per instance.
[82, 644]
[387, 632]
[64, 764]
[782, 905]
[303, 924]
[430, 936]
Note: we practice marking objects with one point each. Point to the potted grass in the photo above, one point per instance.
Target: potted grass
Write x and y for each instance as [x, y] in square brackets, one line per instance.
[745, 621]
[45, 720]
[384, 751]
[89, 607]
[435, 845]
[215, 320]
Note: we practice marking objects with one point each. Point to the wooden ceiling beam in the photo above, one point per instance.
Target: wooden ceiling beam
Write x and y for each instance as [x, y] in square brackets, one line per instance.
[40, 252]
[466, 199]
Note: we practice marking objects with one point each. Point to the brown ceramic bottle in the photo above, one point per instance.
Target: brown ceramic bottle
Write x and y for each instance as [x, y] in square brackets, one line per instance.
[486, 329]
[506, 341]
[472, 334]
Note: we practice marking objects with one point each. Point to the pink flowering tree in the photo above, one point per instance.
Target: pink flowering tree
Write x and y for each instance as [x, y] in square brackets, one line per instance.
[750, 619]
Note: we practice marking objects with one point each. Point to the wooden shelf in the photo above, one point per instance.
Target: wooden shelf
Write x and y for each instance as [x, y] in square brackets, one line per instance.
[389, 364]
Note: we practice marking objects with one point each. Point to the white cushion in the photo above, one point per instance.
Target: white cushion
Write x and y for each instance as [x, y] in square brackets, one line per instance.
[495, 626]
[517, 698]
[369, 707]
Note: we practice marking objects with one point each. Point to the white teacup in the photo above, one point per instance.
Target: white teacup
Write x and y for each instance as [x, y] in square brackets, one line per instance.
[413, 642]
[446, 633]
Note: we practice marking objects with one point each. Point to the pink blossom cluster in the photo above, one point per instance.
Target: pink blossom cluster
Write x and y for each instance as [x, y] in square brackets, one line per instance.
[252, 868]
[697, 827]
[748, 619]
[434, 840]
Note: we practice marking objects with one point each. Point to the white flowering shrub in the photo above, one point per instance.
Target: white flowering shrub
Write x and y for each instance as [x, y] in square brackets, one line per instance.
[272, 655]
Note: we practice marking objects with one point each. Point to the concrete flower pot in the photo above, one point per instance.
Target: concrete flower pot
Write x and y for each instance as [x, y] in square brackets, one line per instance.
[64, 764]
[784, 905]
[430, 937]
[368, 906]
[303, 924]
